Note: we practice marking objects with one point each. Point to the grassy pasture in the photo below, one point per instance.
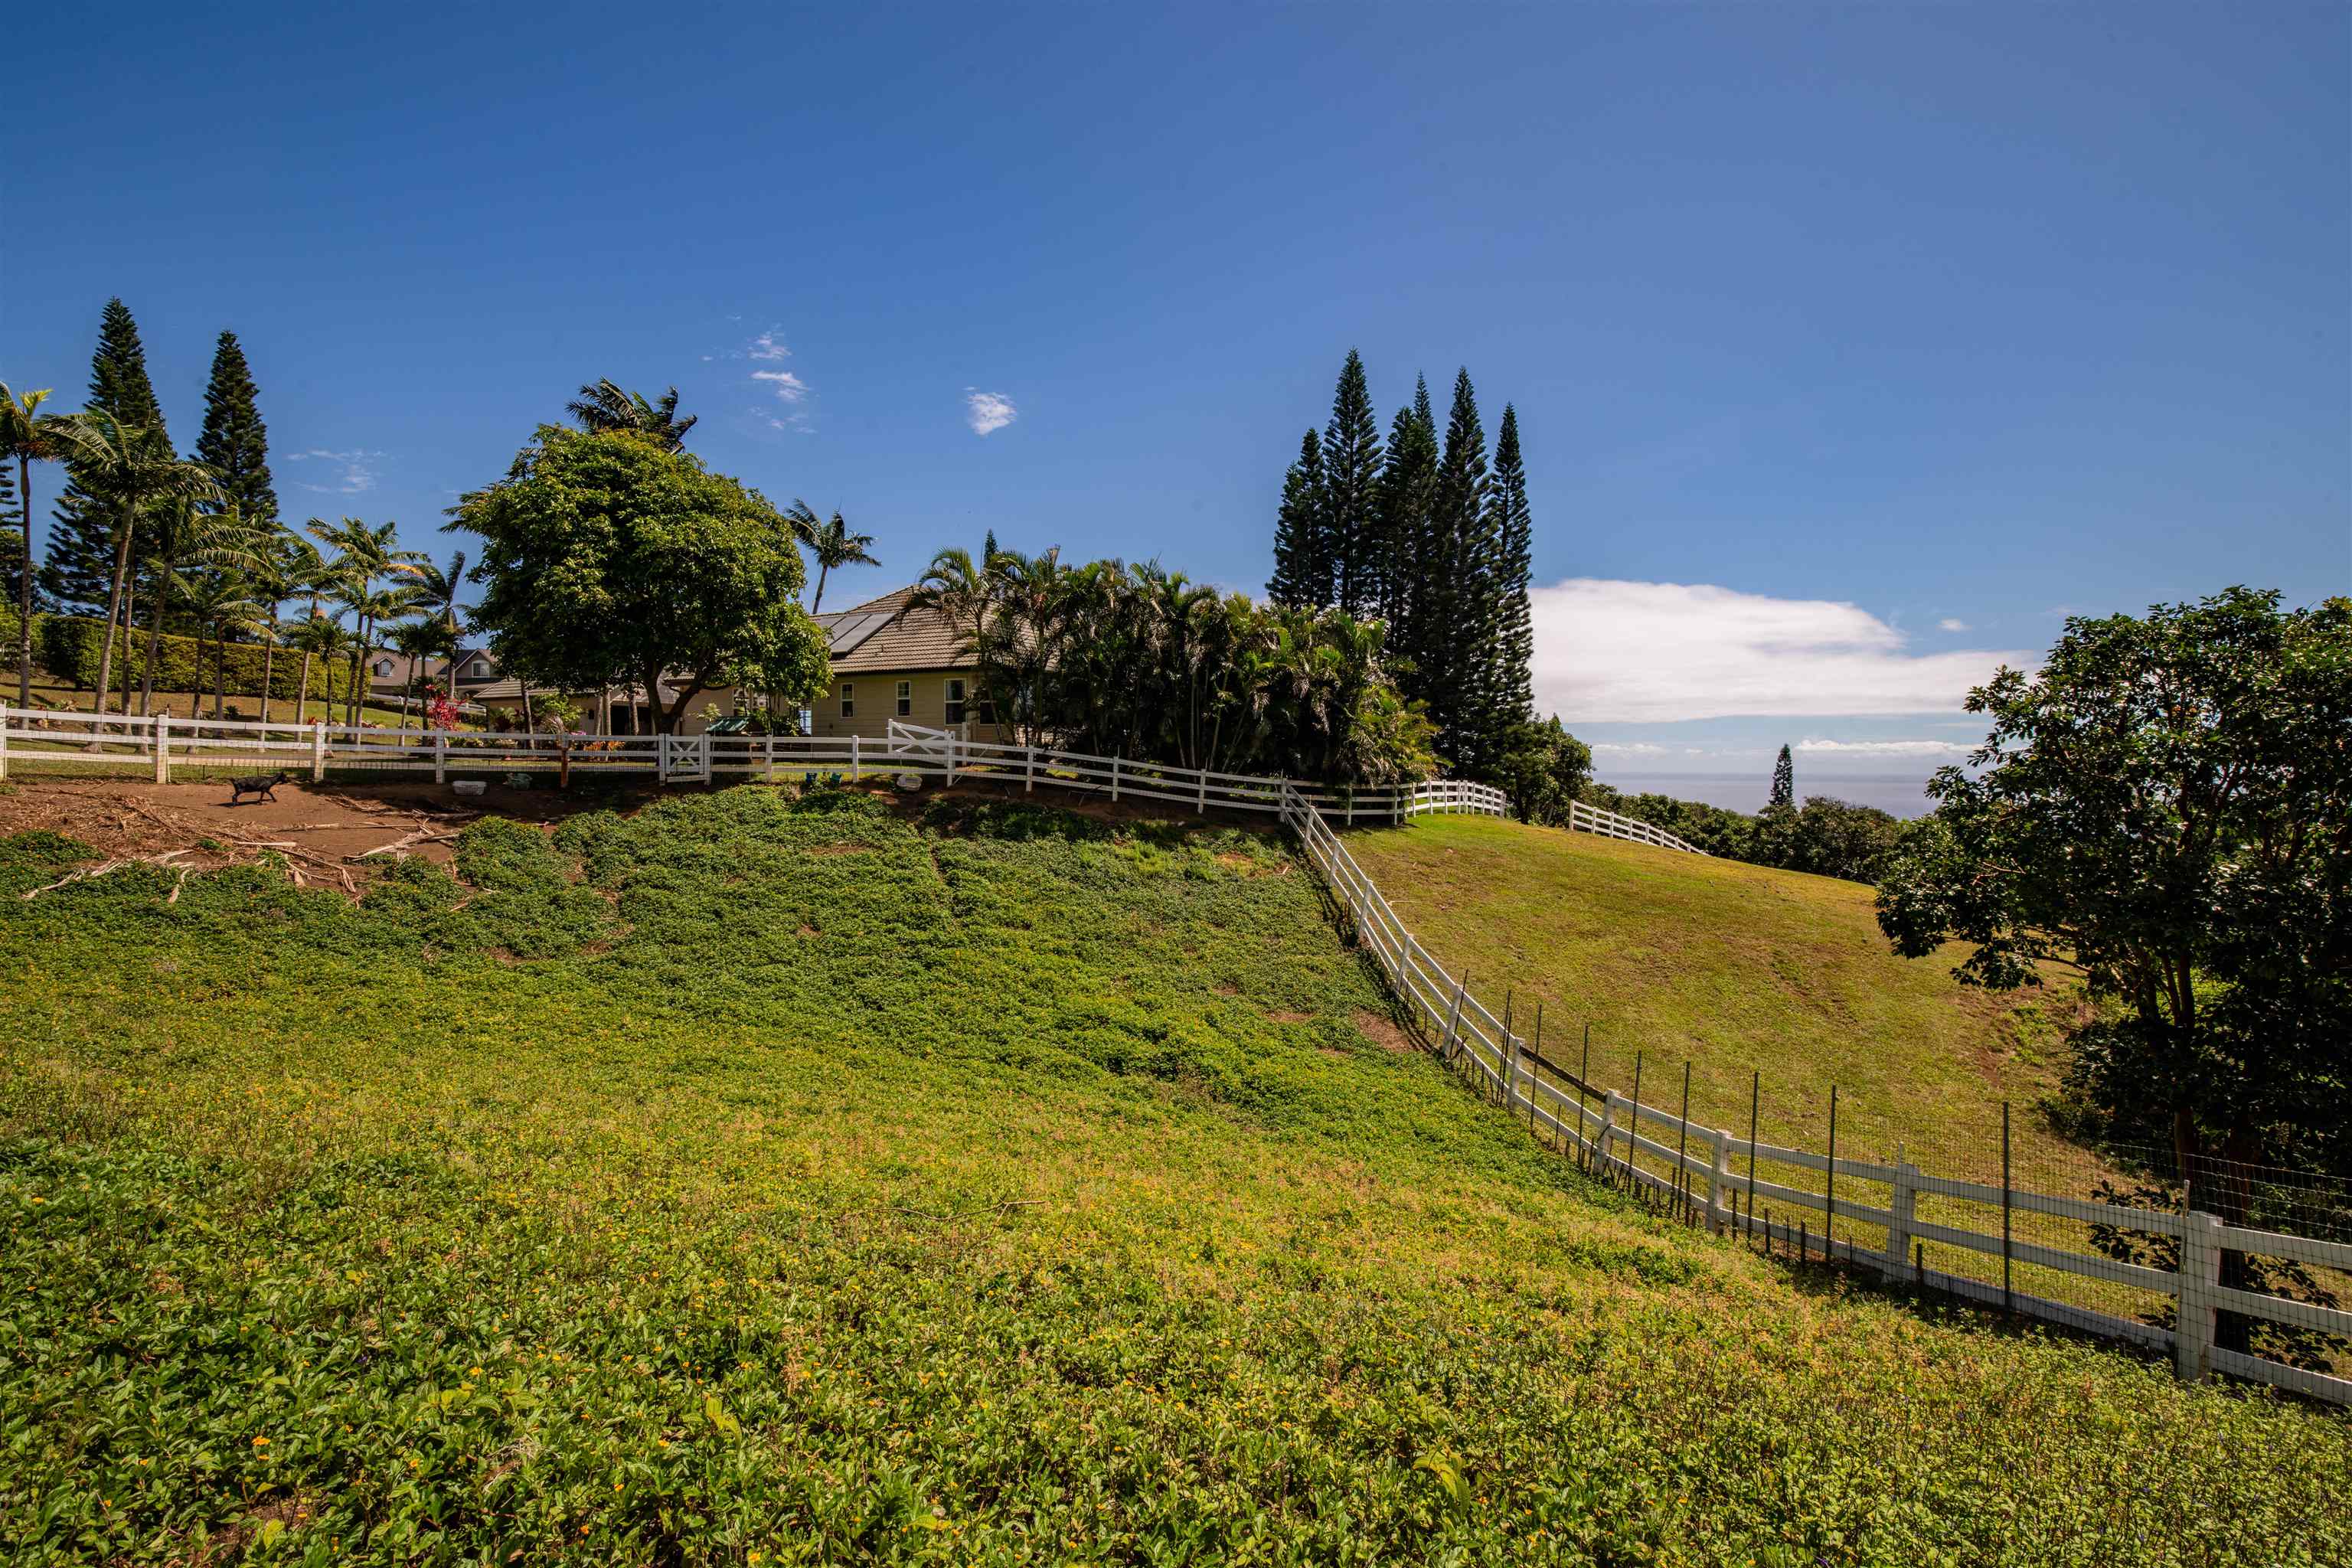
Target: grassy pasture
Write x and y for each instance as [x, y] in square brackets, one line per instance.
[752, 1180]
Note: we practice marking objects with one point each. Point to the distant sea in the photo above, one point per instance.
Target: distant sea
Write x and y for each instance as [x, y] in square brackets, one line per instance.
[1902, 794]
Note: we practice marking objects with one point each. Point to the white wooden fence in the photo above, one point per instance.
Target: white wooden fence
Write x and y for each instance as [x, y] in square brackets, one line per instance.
[1694, 1166]
[158, 744]
[1610, 825]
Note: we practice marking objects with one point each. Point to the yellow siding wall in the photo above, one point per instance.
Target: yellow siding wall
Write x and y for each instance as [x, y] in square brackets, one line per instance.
[876, 699]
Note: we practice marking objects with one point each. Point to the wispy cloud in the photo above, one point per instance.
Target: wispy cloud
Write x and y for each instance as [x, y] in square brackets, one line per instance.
[357, 475]
[1951, 624]
[1663, 652]
[789, 388]
[1887, 748]
[767, 346]
[1629, 748]
[987, 411]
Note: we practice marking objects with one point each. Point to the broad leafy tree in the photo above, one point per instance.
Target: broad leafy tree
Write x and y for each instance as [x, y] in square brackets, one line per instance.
[1544, 770]
[610, 558]
[2167, 807]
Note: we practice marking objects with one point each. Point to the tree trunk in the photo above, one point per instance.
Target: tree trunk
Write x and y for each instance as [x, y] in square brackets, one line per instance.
[220, 670]
[24, 590]
[196, 678]
[155, 656]
[819, 597]
[130, 619]
[114, 607]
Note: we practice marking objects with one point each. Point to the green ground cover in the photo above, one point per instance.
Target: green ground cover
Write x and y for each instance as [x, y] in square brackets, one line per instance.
[759, 1181]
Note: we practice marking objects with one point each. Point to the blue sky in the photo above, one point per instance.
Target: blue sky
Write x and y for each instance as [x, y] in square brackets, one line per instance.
[1851, 347]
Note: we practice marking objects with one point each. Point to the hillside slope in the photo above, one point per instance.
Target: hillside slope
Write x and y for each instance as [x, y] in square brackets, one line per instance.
[1736, 969]
[760, 1181]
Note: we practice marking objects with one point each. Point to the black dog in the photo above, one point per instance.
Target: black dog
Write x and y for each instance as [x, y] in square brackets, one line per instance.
[263, 785]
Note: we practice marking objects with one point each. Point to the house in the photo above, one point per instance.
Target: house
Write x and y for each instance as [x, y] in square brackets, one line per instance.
[891, 662]
[394, 675]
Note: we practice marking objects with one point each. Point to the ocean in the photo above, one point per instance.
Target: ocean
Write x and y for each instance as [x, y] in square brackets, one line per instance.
[1901, 794]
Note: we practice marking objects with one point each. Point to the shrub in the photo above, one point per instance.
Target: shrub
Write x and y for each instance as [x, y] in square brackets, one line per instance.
[69, 648]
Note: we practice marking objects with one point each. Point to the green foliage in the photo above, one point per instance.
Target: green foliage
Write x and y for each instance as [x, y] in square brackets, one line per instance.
[613, 558]
[234, 444]
[1544, 770]
[1006, 1187]
[1136, 662]
[68, 647]
[77, 568]
[2167, 804]
[1784, 781]
[1302, 557]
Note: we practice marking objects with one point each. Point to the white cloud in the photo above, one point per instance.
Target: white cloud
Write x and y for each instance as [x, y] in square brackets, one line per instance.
[987, 411]
[1889, 748]
[790, 388]
[1612, 651]
[1951, 624]
[358, 473]
[1628, 749]
[766, 346]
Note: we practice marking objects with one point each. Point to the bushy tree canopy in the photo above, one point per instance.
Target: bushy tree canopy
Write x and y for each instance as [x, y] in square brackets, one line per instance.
[2167, 805]
[610, 558]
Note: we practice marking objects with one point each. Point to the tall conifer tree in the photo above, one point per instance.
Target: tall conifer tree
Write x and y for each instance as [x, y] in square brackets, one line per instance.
[1408, 500]
[1461, 644]
[1784, 780]
[79, 566]
[1302, 570]
[1351, 469]
[1515, 640]
[234, 444]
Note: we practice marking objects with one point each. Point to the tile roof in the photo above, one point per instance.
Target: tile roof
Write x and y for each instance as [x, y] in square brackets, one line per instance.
[872, 636]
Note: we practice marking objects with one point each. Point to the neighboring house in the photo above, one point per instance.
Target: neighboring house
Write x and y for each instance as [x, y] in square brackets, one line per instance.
[889, 662]
[388, 673]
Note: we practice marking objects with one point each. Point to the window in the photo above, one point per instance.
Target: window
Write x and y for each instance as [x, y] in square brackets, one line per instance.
[906, 700]
[382, 668]
[479, 670]
[983, 709]
[955, 701]
[848, 701]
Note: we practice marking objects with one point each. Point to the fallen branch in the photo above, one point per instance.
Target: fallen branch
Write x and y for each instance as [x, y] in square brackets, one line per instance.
[422, 835]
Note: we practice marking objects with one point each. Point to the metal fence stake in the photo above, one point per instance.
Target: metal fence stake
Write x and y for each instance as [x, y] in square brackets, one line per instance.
[2008, 1300]
[1829, 1199]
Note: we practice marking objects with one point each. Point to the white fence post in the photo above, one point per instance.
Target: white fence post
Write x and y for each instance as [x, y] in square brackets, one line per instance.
[661, 758]
[317, 751]
[1718, 1177]
[767, 756]
[2200, 1273]
[1900, 1210]
[1029, 777]
[1201, 803]
[3, 742]
[163, 748]
[856, 757]
[440, 756]
[1607, 1124]
[1113, 778]
[951, 750]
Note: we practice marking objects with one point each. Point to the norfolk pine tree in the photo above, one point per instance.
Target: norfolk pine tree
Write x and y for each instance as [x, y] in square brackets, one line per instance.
[1302, 571]
[234, 444]
[1351, 469]
[1784, 781]
[79, 570]
[1515, 640]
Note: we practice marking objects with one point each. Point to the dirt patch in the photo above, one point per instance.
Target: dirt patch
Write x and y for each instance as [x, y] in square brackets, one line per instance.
[1226, 988]
[1382, 1031]
[808, 930]
[1281, 1015]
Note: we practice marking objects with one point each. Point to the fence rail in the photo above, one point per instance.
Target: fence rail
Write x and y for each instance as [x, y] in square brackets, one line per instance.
[160, 742]
[1610, 825]
[1712, 1176]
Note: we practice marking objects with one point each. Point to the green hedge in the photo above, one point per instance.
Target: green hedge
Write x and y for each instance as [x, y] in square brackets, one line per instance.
[68, 647]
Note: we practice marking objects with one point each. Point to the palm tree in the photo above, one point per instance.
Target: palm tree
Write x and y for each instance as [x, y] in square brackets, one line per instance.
[305, 574]
[364, 554]
[954, 588]
[367, 610]
[436, 591]
[602, 406]
[132, 469]
[32, 437]
[831, 543]
[321, 637]
[418, 641]
[221, 602]
[222, 540]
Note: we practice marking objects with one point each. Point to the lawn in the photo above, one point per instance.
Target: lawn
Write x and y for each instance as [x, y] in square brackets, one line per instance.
[1736, 970]
[760, 1181]
[48, 692]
